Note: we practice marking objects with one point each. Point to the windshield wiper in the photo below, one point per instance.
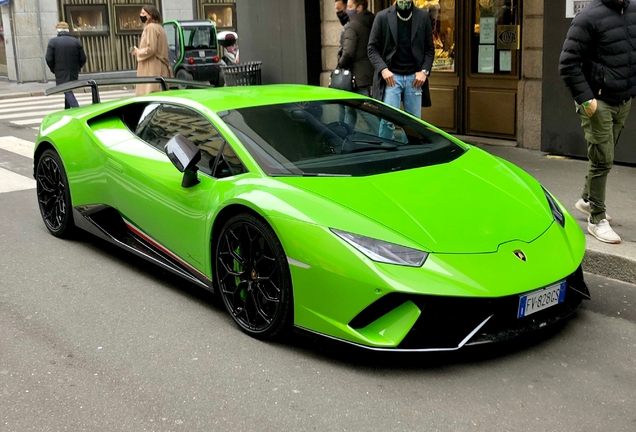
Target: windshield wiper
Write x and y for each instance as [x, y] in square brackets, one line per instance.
[308, 174]
[354, 146]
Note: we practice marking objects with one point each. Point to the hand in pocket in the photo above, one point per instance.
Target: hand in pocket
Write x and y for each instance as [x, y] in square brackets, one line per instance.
[591, 108]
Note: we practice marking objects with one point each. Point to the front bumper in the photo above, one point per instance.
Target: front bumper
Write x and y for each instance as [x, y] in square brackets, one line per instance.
[451, 323]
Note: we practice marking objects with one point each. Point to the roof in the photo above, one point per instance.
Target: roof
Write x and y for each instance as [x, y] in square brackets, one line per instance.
[228, 98]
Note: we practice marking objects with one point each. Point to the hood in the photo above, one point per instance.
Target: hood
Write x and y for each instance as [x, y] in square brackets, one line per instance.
[470, 205]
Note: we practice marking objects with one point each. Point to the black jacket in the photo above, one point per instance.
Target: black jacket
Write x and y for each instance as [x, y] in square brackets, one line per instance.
[599, 53]
[65, 57]
[354, 48]
[383, 45]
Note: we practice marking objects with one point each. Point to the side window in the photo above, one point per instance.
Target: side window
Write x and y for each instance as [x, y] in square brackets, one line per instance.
[150, 128]
[160, 122]
[229, 163]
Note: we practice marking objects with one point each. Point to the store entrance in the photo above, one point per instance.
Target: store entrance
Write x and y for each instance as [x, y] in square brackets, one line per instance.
[476, 68]
[3, 50]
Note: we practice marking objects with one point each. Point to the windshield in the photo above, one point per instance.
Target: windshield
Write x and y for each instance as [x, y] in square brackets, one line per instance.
[199, 37]
[356, 137]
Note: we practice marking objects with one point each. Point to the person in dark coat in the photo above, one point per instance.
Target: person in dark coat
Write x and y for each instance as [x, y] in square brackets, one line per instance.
[65, 57]
[598, 66]
[401, 50]
[354, 45]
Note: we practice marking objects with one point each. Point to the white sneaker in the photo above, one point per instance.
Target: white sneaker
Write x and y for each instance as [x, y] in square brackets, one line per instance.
[603, 231]
[584, 207]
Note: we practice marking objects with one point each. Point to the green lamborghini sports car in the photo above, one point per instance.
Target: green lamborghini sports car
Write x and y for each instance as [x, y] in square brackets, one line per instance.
[316, 210]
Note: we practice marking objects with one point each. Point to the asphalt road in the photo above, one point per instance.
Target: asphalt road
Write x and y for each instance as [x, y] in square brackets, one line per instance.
[95, 339]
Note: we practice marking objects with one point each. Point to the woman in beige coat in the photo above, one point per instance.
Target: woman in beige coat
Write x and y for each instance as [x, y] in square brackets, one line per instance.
[152, 54]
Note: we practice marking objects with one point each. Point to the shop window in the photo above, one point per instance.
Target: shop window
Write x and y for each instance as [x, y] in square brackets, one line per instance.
[223, 15]
[87, 20]
[495, 37]
[442, 13]
[127, 19]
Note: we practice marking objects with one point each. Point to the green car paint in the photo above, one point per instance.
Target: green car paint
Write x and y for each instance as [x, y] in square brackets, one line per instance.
[429, 209]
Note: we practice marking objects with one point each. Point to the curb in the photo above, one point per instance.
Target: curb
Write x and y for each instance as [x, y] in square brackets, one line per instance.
[610, 265]
[21, 95]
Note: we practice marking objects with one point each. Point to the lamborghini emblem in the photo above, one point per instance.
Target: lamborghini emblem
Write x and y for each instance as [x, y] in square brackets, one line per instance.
[519, 254]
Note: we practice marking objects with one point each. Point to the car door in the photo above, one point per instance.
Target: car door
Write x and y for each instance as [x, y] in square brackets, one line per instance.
[147, 187]
[174, 47]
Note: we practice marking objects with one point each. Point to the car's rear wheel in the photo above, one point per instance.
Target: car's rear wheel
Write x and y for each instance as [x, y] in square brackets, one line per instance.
[54, 197]
[184, 75]
[220, 80]
[252, 276]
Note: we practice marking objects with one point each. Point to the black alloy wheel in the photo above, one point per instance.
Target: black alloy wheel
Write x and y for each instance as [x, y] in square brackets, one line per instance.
[252, 277]
[54, 197]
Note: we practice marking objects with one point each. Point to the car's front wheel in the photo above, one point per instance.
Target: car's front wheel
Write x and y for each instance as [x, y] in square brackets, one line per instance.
[54, 197]
[252, 276]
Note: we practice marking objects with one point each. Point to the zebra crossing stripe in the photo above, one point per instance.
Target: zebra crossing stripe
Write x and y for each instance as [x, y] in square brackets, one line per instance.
[10, 181]
[28, 122]
[18, 146]
[44, 100]
[78, 95]
[43, 110]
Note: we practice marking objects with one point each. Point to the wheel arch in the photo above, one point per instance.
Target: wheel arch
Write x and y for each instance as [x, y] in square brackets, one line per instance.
[224, 215]
[41, 148]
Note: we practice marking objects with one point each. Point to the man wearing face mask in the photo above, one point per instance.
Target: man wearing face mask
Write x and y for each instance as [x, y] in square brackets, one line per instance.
[341, 11]
[401, 50]
[354, 45]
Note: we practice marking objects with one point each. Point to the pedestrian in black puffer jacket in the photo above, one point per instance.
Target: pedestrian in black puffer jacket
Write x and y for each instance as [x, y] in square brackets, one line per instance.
[598, 65]
[354, 45]
[65, 57]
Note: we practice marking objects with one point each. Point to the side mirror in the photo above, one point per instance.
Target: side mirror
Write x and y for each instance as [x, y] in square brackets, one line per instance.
[184, 155]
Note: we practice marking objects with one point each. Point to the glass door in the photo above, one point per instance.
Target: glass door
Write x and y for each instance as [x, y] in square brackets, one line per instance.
[493, 56]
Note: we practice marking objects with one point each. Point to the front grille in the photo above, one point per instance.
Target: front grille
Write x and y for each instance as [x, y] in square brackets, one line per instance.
[446, 321]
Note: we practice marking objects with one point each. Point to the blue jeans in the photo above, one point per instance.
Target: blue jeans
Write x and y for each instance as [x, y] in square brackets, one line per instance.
[69, 100]
[405, 92]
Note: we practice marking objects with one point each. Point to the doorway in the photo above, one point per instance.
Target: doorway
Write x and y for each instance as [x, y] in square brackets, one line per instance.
[477, 65]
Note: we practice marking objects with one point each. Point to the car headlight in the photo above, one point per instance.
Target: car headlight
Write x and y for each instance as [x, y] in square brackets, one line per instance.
[554, 207]
[384, 252]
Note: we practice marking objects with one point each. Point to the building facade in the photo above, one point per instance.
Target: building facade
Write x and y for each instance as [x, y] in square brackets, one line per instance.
[492, 76]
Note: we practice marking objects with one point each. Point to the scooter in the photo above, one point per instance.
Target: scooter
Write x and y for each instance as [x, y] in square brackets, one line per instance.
[228, 40]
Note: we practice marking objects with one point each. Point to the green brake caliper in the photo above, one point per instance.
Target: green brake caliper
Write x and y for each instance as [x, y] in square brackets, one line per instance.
[238, 269]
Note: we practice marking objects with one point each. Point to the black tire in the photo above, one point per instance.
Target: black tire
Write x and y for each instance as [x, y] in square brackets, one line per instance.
[54, 196]
[220, 80]
[183, 74]
[252, 276]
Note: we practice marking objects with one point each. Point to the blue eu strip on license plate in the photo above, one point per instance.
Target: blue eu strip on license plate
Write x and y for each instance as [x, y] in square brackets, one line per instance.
[541, 299]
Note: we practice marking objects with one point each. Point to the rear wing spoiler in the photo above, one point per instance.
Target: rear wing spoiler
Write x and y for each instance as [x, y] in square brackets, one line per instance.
[94, 84]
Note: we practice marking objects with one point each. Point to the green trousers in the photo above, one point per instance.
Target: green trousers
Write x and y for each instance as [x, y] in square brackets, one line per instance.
[602, 131]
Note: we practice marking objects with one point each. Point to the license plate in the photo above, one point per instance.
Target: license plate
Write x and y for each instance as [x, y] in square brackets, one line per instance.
[541, 299]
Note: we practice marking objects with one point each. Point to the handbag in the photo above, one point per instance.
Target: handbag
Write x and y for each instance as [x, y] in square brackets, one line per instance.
[342, 79]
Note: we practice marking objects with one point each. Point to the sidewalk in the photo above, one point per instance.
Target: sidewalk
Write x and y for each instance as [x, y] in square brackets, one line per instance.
[562, 176]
